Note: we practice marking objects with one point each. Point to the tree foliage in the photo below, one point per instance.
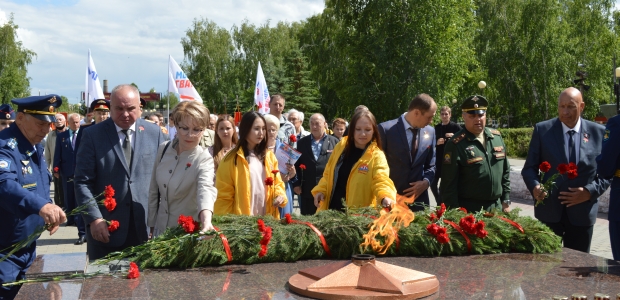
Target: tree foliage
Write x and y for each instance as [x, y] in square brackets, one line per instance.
[382, 53]
[14, 59]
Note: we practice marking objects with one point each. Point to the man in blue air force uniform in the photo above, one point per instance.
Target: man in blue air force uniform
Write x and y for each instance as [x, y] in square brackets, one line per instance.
[25, 186]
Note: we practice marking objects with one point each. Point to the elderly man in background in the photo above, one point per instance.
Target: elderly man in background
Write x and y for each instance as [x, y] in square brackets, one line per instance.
[50, 146]
[64, 162]
[570, 208]
[315, 149]
[297, 118]
[120, 152]
[286, 134]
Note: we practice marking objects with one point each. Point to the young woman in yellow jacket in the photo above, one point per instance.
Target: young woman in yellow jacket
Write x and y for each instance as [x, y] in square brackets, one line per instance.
[357, 170]
[246, 183]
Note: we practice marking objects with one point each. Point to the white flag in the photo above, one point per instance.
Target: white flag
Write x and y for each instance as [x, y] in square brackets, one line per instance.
[93, 85]
[172, 86]
[261, 94]
[187, 91]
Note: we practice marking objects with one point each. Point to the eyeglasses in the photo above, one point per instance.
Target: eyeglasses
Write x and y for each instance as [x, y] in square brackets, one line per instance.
[186, 131]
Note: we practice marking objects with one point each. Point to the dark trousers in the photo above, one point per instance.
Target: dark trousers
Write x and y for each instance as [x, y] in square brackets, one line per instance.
[97, 250]
[13, 269]
[434, 186]
[306, 205]
[574, 237]
[614, 238]
[59, 196]
[71, 204]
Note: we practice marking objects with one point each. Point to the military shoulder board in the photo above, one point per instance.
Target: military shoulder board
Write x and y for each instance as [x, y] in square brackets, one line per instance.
[495, 132]
[458, 138]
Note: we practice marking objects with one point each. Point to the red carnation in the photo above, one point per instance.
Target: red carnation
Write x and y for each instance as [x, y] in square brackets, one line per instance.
[293, 138]
[263, 251]
[269, 181]
[441, 210]
[110, 203]
[261, 225]
[188, 223]
[572, 166]
[55, 169]
[433, 217]
[480, 225]
[432, 228]
[545, 167]
[572, 174]
[274, 172]
[302, 166]
[113, 225]
[288, 218]
[266, 236]
[562, 168]
[443, 238]
[134, 272]
[108, 191]
[463, 209]
[482, 233]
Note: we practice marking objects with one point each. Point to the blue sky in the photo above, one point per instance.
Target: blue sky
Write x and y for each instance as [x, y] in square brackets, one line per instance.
[129, 40]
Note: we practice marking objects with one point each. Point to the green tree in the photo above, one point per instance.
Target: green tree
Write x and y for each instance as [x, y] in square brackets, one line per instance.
[382, 53]
[301, 92]
[14, 60]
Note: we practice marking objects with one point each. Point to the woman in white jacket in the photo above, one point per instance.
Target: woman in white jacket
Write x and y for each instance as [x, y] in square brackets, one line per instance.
[182, 181]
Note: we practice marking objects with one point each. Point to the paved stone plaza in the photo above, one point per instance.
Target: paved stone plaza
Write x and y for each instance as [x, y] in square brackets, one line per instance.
[62, 241]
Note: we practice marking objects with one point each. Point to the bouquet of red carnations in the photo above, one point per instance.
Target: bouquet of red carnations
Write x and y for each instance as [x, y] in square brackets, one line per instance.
[570, 170]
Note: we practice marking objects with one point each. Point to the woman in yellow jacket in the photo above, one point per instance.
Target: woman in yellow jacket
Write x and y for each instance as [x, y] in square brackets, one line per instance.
[357, 170]
[246, 181]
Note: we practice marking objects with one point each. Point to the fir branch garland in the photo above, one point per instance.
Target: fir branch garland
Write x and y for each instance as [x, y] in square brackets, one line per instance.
[343, 233]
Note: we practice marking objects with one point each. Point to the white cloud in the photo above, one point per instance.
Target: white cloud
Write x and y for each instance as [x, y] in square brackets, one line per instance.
[129, 40]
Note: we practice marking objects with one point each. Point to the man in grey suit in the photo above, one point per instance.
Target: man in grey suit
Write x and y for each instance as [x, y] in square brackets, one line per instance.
[409, 145]
[119, 151]
[571, 208]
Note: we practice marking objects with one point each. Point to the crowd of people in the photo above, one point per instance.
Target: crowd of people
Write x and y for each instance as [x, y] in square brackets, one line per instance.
[202, 165]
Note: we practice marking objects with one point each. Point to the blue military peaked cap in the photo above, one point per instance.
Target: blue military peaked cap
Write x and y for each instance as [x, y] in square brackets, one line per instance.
[6, 112]
[100, 104]
[40, 107]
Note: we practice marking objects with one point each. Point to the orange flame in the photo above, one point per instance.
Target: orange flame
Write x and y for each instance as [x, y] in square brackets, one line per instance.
[388, 224]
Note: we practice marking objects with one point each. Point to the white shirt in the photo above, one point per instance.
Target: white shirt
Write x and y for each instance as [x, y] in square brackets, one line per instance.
[121, 135]
[576, 138]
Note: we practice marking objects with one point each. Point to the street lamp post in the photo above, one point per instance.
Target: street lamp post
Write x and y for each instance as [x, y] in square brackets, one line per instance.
[482, 85]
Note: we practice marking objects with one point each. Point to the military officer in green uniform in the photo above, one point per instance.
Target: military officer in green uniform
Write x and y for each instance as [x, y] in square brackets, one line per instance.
[476, 172]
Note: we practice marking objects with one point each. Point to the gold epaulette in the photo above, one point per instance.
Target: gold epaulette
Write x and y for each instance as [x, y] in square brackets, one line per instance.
[458, 138]
[495, 132]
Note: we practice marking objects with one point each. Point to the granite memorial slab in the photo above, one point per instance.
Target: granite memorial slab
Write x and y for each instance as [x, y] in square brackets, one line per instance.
[499, 276]
[50, 265]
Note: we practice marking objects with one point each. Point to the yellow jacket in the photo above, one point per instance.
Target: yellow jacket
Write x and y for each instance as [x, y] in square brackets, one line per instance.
[234, 190]
[368, 182]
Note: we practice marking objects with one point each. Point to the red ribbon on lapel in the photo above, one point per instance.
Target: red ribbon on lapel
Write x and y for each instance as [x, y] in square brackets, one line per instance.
[458, 228]
[225, 243]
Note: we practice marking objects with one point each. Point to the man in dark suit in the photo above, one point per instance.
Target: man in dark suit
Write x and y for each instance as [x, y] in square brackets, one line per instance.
[409, 146]
[315, 149]
[571, 208]
[64, 160]
[119, 151]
